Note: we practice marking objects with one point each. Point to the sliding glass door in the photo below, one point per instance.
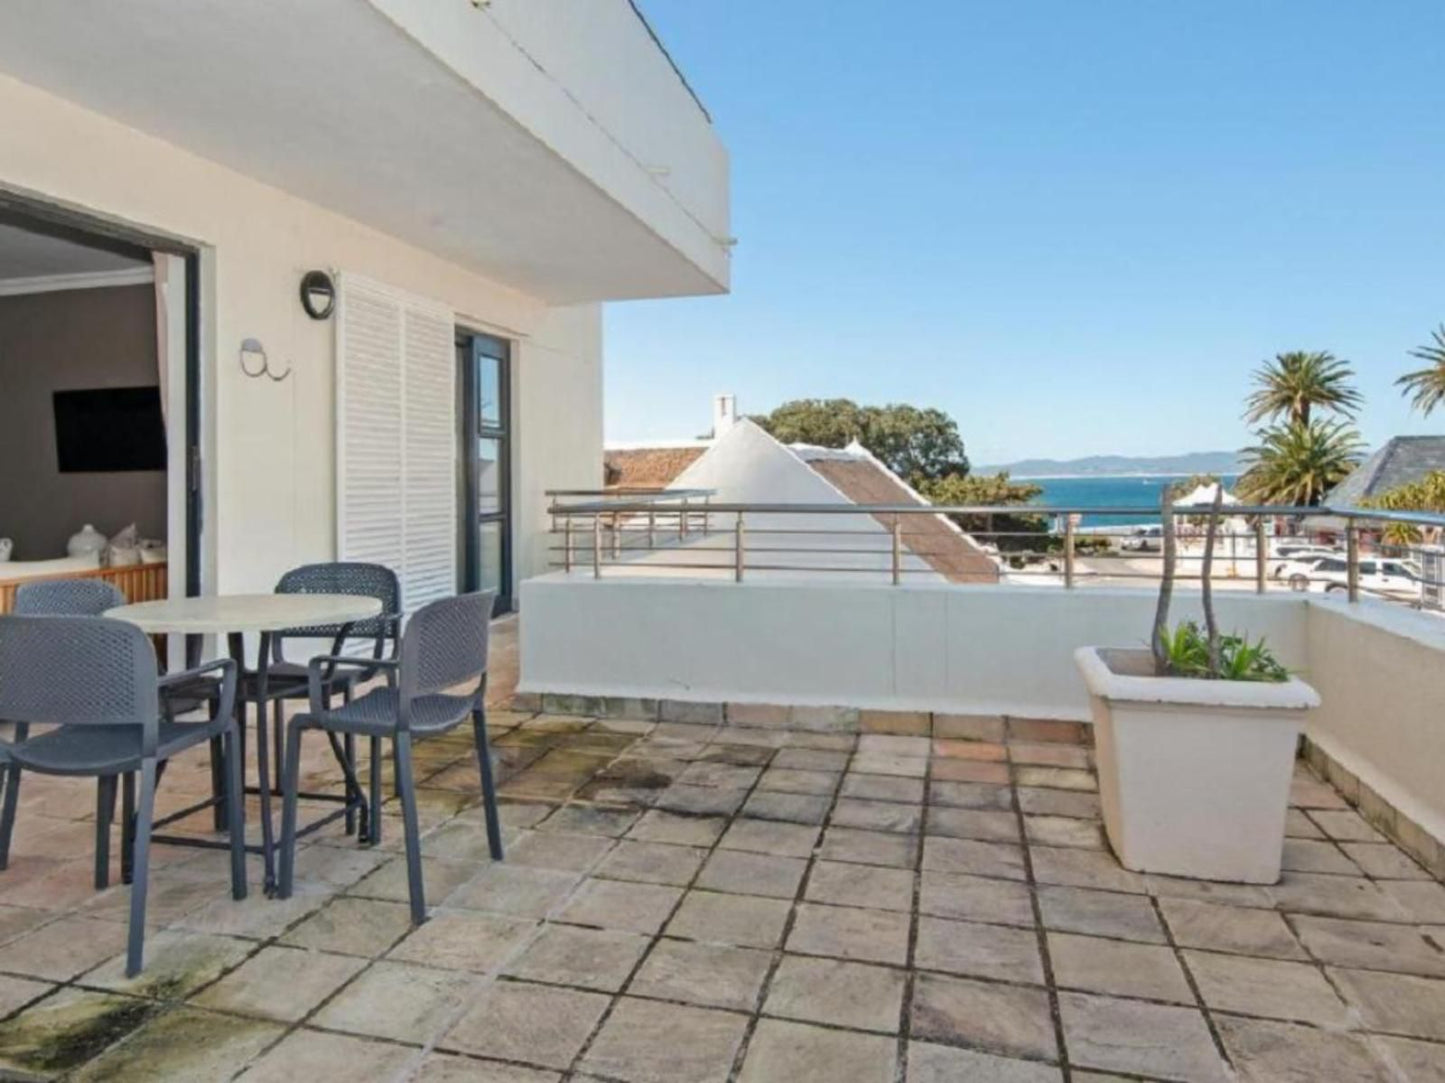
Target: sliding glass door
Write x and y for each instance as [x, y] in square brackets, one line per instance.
[484, 363]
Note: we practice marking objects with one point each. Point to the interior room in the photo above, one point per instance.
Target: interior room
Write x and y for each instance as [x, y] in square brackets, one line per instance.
[83, 449]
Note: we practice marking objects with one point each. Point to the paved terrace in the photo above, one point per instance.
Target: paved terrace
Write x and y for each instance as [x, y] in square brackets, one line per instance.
[689, 902]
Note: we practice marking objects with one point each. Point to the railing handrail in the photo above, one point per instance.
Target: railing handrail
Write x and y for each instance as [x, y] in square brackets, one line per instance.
[1283, 511]
[630, 490]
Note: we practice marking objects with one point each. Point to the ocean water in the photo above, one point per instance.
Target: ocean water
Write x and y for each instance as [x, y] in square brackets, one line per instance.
[1110, 492]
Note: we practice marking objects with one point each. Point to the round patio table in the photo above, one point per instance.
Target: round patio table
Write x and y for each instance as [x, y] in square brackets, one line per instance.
[235, 615]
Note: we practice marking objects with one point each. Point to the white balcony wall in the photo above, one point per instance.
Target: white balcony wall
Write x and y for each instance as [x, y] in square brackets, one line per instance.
[269, 447]
[821, 640]
[1380, 671]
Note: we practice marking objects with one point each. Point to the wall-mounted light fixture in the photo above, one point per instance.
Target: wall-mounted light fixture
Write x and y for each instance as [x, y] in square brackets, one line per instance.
[318, 294]
[255, 363]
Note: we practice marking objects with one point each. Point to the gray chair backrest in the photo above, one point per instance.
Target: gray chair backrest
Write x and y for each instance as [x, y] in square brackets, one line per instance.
[445, 644]
[78, 671]
[344, 577]
[67, 598]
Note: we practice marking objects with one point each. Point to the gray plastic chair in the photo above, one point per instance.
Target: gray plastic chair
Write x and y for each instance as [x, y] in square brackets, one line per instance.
[444, 646]
[287, 680]
[94, 682]
[342, 577]
[67, 598]
[60, 598]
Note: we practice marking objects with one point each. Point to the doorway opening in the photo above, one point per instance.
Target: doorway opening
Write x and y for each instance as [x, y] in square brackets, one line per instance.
[100, 422]
[484, 366]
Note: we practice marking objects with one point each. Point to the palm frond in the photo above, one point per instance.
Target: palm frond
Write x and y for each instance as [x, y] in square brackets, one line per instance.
[1425, 388]
[1297, 464]
[1291, 384]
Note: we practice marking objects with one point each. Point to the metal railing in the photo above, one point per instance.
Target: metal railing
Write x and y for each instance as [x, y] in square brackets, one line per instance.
[1260, 547]
[667, 514]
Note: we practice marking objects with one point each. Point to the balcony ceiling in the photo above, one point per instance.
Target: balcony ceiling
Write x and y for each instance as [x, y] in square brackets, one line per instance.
[329, 100]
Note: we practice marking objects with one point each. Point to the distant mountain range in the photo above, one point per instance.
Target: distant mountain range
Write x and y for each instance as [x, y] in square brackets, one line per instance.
[1194, 462]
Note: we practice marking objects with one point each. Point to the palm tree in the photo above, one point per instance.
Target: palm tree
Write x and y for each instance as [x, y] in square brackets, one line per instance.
[1426, 387]
[1294, 382]
[1297, 464]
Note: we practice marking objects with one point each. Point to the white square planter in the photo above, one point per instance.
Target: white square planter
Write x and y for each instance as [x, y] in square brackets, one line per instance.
[1194, 775]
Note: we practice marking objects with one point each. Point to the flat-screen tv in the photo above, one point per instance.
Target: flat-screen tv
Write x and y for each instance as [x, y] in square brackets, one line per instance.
[108, 430]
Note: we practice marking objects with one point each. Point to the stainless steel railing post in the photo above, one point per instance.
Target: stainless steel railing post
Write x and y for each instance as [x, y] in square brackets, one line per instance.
[596, 547]
[739, 557]
[897, 549]
[1068, 552]
[1261, 556]
[567, 543]
[1352, 561]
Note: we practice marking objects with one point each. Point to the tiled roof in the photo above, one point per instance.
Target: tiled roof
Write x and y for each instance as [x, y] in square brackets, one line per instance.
[647, 468]
[1403, 460]
[863, 480]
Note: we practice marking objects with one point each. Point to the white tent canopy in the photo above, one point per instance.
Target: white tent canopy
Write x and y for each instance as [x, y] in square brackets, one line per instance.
[1203, 496]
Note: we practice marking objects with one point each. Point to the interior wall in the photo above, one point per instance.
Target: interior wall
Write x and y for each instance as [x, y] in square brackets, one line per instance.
[71, 340]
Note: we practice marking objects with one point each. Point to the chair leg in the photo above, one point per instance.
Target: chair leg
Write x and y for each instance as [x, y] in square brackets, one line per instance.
[12, 796]
[218, 785]
[489, 789]
[354, 795]
[348, 745]
[278, 736]
[374, 828]
[104, 817]
[127, 827]
[145, 817]
[289, 789]
[406, 789]
[235, 796]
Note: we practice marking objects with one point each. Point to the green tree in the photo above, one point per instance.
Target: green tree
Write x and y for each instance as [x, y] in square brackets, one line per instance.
[1290, 386]
[1010, 531]
[917, 444]
[1424, 494]
[1298, 463]
[1426, 387]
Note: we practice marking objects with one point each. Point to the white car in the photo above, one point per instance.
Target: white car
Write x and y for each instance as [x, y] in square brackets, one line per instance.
[1393, 578]
[1145, 539]
[1290, 559]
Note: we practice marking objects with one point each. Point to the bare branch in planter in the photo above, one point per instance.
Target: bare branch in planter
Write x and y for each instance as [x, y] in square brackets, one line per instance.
[1211, 626]
[1159, 641]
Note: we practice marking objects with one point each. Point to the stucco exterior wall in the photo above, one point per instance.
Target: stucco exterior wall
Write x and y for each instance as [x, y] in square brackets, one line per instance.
[1380, 672]
[977, 649]
[269, 447]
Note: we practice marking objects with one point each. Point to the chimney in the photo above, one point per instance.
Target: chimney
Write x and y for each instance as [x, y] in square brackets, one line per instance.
[724, 414]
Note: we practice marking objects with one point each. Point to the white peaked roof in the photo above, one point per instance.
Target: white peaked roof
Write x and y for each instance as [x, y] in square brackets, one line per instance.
[1203, 496]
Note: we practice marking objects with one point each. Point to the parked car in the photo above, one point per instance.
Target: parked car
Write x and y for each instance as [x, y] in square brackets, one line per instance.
[1392, 578]
[1145, 539]
[1289, 559]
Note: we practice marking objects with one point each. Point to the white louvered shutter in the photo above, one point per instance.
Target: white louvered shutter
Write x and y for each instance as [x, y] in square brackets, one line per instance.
[396, 448]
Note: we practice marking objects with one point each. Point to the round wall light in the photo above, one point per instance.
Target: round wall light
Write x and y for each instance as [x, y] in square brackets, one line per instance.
[318, 294]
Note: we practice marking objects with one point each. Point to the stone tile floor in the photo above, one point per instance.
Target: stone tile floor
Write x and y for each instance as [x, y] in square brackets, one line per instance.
[694, 903]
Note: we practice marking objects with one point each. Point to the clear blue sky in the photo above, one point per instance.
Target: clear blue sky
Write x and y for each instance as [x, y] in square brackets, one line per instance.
[1075, 226]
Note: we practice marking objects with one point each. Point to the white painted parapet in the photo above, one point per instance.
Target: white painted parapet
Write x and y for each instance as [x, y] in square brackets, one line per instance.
[820, 640]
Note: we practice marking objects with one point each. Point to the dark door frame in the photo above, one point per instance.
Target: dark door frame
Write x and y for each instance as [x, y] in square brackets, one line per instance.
[471, 431]
[66, 223]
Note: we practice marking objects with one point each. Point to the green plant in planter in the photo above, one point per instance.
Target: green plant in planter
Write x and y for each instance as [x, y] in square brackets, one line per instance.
[1187, 649]
[1192, 651]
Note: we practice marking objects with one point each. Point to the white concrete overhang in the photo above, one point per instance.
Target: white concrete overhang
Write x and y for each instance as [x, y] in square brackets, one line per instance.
[547, 144]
